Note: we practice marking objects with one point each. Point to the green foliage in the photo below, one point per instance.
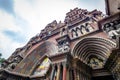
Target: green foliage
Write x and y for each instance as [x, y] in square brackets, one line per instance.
[1, 59]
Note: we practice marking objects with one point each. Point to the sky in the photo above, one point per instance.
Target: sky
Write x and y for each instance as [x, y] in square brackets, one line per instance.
[22, 19]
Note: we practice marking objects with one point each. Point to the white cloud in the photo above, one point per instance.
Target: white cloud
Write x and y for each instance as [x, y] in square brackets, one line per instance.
[7, 45]
[42, 12]
[7, 22]
[30, 17]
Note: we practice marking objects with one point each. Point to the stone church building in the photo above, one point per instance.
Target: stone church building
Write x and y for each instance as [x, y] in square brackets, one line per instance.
[86, 46]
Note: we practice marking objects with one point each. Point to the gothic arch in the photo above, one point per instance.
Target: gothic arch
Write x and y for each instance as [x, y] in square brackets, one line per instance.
[63, 31]
[49, 48]
[79, 30]
[74, 33]
[97, 46]
[46, 48]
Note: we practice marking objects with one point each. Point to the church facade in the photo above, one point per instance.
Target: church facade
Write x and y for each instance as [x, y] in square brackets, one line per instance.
[86, 46]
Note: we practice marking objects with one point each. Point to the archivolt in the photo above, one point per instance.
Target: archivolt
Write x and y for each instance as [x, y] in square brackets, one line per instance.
[97, 46]
[47, 48]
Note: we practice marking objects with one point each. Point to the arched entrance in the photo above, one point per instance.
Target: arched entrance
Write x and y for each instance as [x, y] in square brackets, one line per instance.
[94, 52]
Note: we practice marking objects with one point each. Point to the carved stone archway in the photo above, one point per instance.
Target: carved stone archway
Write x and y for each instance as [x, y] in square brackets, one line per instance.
[93, 46]
[94, 52]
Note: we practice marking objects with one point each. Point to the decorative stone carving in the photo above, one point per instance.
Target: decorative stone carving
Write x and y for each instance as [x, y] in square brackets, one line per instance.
[112, 28]
[11, 66]
[81, 30]
[77, 15]
[14, 62]
[50, 29]
[65, 47]
[4, 64]
[96, 63]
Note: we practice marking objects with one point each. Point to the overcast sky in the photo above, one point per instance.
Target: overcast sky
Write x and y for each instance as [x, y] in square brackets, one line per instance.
[22, 19]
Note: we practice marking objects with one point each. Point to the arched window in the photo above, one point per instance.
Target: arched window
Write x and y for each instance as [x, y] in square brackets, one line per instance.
[78, 29]
[63, 31]
[81, 28]
[74, 33]
[87, 27]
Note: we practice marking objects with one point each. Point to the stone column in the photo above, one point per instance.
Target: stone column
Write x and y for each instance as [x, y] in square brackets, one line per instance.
[52, 73]
[71, 74]
[64, 71]
[58, 72]
[75, 75]
[68, 73]
[61, 71]
[78, 75]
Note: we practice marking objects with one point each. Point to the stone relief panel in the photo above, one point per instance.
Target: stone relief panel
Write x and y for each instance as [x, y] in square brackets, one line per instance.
[96, 63]
[112, 28]
[83, 29]
[65, 47]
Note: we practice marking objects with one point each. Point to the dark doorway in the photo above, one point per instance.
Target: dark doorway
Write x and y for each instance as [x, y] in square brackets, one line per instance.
[103, 78]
